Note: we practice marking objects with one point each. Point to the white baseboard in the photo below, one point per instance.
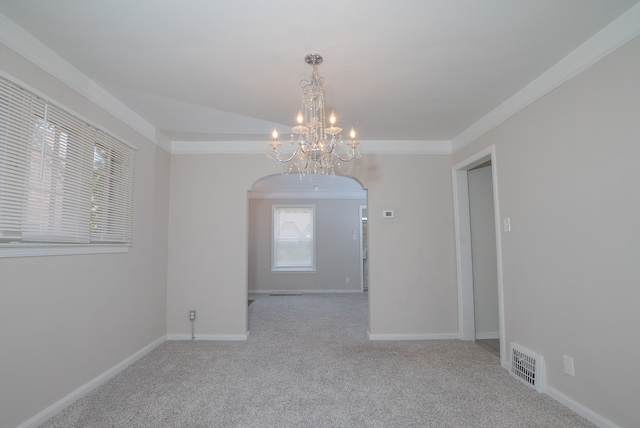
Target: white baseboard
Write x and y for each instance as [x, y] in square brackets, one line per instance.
[586, 413]
[302, 291]
[487, 335]
[570, 403]
[221, 337]
[57, 407]
[442, 336]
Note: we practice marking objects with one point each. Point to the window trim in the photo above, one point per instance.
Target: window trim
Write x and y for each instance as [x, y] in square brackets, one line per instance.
[303, 269]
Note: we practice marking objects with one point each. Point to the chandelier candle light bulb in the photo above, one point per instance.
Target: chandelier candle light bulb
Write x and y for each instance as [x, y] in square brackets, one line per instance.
[316, 146]
[299, 129]
[274, 144]
[333, 130]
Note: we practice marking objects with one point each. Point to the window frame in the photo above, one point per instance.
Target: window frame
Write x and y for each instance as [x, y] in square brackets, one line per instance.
[311, 268]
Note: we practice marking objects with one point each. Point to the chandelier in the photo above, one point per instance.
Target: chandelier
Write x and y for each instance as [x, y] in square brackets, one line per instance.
[316, 144]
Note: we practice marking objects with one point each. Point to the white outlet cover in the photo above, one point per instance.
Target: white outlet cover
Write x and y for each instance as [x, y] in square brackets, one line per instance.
[387, 214]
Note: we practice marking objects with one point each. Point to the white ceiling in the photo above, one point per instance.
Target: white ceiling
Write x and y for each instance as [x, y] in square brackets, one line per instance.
[417, 70]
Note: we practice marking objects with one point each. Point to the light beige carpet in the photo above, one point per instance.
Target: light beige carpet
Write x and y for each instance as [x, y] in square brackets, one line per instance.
[308, 363]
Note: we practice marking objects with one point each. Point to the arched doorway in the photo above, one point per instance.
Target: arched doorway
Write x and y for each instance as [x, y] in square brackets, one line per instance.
[334, 205]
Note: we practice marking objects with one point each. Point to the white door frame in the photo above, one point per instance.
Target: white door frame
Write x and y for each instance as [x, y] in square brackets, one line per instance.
[462, 220]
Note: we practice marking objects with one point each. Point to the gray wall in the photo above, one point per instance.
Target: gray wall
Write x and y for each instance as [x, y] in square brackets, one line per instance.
[65, 320]
[412, 287]
[337, 253]
[568, 177]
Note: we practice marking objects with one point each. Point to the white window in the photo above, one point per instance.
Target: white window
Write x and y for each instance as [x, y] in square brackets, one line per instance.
[293, 238]
[62, 181]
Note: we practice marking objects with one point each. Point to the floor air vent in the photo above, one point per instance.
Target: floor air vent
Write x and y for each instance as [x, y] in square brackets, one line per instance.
[527, 367]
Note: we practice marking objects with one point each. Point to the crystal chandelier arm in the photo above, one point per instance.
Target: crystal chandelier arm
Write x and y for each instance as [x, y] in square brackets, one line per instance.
[353, 147]
[276, 156]
[331, 149]
[350, 155]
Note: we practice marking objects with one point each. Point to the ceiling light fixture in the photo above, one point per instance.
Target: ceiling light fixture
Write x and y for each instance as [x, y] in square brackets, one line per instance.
[316, 142]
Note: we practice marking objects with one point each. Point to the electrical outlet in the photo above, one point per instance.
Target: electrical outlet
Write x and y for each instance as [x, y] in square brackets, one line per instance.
[346, 280]
[192, 315]
[568, 366]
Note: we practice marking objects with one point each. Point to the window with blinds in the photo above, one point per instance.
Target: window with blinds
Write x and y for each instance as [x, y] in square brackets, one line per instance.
[61, 180]
[293, 238]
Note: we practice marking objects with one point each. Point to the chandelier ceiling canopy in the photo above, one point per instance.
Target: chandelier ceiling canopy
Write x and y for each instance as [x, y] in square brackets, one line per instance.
[317, 147]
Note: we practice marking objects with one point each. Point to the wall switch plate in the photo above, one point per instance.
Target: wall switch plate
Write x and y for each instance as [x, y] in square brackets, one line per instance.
[568, 366]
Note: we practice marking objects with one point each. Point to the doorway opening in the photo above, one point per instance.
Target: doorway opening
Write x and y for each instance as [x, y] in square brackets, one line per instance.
[334, 239]
[464, 249]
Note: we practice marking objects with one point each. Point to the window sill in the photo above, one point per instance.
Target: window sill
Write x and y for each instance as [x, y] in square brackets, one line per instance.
[38, 250]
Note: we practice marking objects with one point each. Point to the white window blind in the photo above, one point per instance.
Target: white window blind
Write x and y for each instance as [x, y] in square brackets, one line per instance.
[112, 193]
[293, 238]
[61, 179]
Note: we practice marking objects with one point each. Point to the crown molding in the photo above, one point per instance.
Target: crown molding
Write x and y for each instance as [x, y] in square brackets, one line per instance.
[219, 147]
[623, 29]
[24, 44]
[406, 147]
[163, 141]
[260, 147]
